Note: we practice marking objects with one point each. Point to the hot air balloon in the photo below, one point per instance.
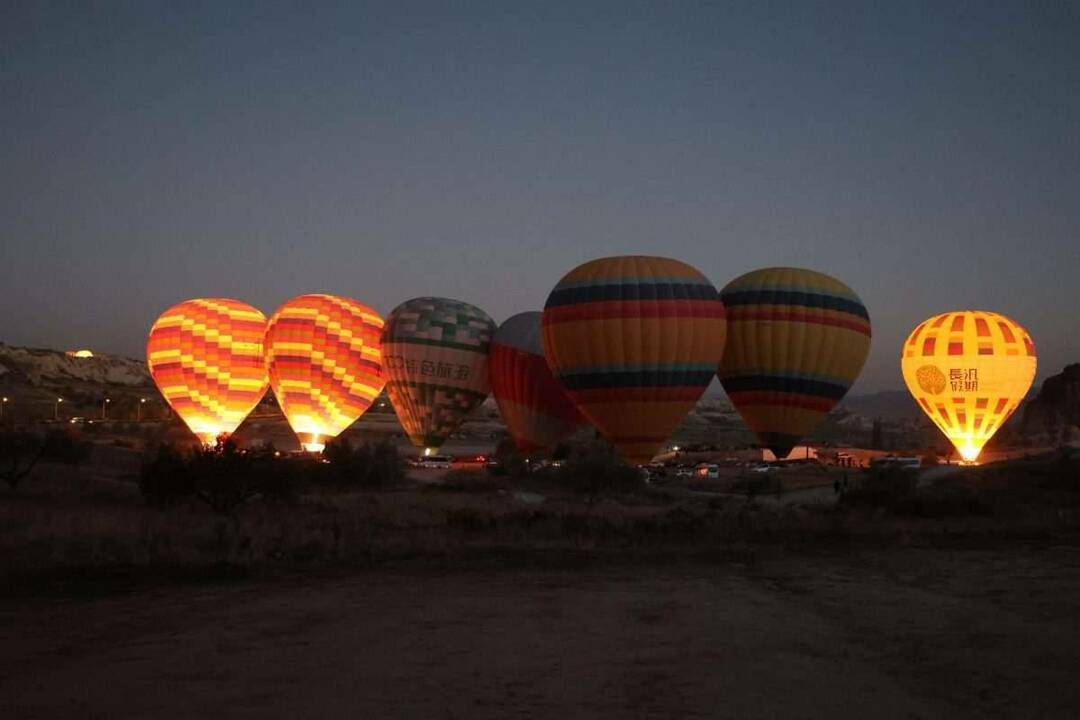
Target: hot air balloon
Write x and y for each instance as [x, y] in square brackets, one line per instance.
[436, 354]
[206, 357]
[537, 411]
[324, 358]
[968, 370]
[797, 340]
[635, 341]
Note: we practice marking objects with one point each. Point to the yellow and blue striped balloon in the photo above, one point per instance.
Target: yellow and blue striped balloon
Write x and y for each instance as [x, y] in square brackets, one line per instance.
[635, 341]
[797, 340]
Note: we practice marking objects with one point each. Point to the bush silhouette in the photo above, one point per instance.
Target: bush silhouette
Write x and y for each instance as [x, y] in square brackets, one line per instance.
[227, 476]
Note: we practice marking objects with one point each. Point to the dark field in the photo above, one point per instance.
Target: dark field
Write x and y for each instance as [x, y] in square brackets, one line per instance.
[473, 597]
[896, 634]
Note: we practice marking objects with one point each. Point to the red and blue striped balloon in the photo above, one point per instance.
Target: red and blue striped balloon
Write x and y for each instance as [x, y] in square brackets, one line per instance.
[635, 341]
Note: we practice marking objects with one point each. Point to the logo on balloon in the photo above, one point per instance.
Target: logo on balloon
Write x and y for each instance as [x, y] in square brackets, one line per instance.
[931, 379]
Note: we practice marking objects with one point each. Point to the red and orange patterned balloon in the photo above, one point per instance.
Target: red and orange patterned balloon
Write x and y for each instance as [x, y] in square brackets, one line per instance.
[324, 358]
[537, 411]
[206, 357]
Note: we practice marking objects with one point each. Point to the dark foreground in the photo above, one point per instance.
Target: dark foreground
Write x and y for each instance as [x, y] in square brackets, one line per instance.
[897, 634]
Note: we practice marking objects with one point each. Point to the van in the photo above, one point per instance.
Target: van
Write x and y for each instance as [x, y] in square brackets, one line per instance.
[441, 462]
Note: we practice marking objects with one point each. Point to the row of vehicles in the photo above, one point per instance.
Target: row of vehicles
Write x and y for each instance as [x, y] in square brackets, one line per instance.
[472, 462]
[705, 470]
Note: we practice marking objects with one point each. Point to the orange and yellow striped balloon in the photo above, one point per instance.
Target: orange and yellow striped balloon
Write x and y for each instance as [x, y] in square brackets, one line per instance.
[324, 357]
[206, 357]
[969, 370]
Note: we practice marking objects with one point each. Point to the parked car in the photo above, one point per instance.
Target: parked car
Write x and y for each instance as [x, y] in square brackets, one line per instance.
[684, 471]
[465, 462]
[706, 471]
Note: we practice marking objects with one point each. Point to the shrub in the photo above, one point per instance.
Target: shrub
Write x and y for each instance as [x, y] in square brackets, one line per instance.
[223, 477]
[227, 476]
[883, 487]
[511, 461]
[1063, 474]
[596, 468]
[754, 485]
[947, 500]
[19, 452]
[166, 479]
[369, 465]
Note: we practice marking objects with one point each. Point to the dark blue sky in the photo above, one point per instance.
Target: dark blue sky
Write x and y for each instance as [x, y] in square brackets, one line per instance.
[926, 154]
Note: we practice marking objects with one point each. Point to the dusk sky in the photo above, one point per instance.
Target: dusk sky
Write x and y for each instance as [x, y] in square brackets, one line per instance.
[926, 154]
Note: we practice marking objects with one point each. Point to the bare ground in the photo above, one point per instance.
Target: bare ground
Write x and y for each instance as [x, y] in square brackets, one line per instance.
[897, 634]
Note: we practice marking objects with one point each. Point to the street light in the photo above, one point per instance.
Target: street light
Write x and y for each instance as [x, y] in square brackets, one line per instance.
[2, 404]
[104, 403]
[56, 408]
[141, 401]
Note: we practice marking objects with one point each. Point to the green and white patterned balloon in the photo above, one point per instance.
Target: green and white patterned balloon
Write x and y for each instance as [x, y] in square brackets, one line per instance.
[435, 354]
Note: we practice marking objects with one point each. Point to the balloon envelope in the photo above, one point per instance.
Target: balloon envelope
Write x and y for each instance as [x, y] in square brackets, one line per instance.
[635, 341]
[206, 357]
[537, 411]
[968, 370]
[436, 358]
[324, 358]
[797, 340]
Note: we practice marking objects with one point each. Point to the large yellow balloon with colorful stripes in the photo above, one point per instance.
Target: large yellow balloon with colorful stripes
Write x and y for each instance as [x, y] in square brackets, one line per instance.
[797, 340]
[969, 370]
[324, 356]
[206, 357]
[635, 341]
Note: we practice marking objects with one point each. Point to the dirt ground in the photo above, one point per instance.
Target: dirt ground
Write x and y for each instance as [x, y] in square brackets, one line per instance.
[902, 634]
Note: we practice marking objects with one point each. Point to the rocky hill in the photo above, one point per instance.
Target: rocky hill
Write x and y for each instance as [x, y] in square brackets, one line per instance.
[890, 405]
[49, 368]
[1054, 413]
[32, 379]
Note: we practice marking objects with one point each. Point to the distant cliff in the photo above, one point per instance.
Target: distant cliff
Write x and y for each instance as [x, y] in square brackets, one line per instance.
[1054, 413]
[33, 367]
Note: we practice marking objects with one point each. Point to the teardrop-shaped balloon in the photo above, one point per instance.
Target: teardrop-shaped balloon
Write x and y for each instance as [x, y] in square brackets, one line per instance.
[969, 370]
[635, 341]
[206, 357]
[324, 356]
[436, 356]
[797, 340]
[537, 411]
